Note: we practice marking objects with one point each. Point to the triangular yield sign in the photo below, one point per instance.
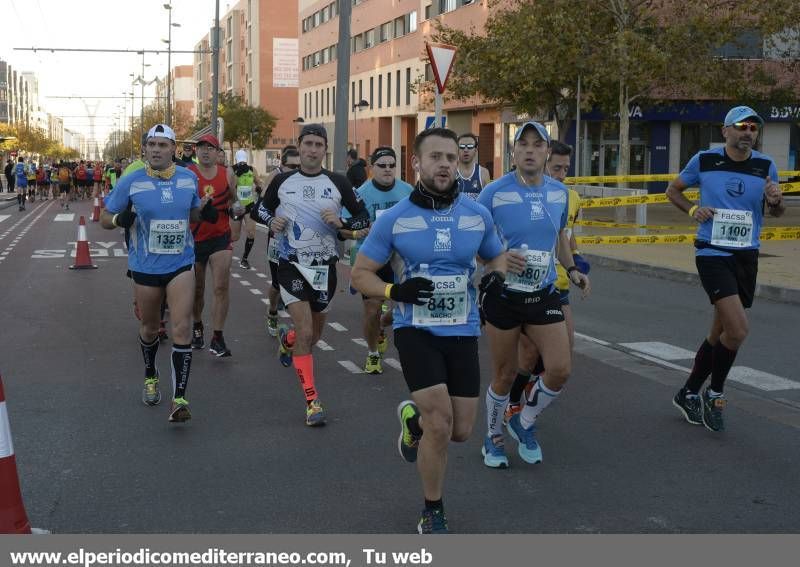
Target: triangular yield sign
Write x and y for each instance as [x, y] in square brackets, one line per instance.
[441, 57]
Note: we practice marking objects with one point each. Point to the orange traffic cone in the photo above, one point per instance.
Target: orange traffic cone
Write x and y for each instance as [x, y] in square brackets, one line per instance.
[13, 519]
[83, 260]
[96, 211]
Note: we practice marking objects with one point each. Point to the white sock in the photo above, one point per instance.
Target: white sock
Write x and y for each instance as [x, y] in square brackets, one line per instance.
[495, 408]
[540, 397]
[376, 353]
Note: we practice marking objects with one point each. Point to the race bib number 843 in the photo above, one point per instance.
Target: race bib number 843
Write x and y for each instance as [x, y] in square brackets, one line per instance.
[449, 304]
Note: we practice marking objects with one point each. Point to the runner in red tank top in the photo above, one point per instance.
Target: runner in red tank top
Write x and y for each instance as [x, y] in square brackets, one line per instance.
[212, 244]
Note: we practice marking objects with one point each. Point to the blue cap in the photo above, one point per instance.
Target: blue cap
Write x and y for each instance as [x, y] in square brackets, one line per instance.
[541, 130]
[740, 113]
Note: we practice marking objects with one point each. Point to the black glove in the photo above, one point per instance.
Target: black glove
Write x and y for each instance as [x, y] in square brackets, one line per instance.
[209, 212]
[125, 219]
[492, 283]
[413, 290]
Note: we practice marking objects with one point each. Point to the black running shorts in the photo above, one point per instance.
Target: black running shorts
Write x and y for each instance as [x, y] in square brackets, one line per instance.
[511, 310]
[158, 280]
[723, 276]
[429, 360]
[203, 249]
[294, 287]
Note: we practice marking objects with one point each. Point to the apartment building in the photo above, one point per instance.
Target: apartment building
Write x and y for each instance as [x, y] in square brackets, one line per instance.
[258, 61]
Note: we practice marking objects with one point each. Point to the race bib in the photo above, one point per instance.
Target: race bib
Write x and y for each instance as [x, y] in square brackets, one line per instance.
[732, 228]
[449, 304]
[316, 276]
[167, 236]
[537, 265]
[272, 251]
[244, 192]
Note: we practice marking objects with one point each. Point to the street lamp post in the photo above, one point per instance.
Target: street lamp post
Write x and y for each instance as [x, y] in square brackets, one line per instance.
[362, 104]
[299, 120]
[168, 8]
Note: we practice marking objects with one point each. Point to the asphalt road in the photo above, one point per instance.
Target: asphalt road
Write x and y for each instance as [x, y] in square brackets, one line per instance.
[618, 457]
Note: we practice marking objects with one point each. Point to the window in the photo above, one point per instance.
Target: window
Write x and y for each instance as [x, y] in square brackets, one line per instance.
[397, 89]
[386, 32]
[369, 38]
[325, 54]
[428, 12]
[408, 86]
[747, 45]
[305, 101]
[316, 103]
[352, 94]
[412, 22]
[380, 91]
[358, 43]
[327, 101]
[372, 92]
[388, 90]
[333, 96]
[447, 6]
[316, 19]
[428, 72]
[399, 27]
[360, 90]
[324, 14]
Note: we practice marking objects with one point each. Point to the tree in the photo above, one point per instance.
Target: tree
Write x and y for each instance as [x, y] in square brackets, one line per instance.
[532, 52]
[245, 125]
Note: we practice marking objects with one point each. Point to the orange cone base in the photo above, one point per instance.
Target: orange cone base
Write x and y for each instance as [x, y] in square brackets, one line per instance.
[83, 261]
[13, 519]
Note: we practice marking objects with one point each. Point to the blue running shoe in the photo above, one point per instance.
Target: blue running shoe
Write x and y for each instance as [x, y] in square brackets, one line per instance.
[529, 449]
[494, 452]
[285, 345]
[432, 522]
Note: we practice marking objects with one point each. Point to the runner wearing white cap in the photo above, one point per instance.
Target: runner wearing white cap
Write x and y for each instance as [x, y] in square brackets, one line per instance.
[247, 185]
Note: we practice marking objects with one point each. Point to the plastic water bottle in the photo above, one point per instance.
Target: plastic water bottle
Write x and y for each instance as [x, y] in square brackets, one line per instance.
[523, 250]
[423, 272]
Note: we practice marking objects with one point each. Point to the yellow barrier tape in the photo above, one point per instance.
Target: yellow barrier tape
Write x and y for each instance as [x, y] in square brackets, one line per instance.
[773, 233]
[642, 178]
[658, 198]
[604, 224]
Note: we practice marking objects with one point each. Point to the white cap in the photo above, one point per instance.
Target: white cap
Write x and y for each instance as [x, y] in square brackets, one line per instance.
[241, 156]
[161, 131]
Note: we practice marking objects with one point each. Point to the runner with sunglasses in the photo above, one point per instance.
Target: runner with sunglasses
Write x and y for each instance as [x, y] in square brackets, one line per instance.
[379, 194]
[471, 176]
[736, 184]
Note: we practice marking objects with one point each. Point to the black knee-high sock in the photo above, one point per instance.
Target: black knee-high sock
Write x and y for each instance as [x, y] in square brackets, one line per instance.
[701, 368]
[721, 361]
[149, 351]
[522, 379]
[248, 245]
[181, 364]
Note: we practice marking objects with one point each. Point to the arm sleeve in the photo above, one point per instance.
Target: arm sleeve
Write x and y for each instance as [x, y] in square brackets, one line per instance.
[691, 173]
[378, 244]
[359, 216]
[490, 247]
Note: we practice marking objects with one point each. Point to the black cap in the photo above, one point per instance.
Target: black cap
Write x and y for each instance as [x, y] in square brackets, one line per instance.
[314, 130]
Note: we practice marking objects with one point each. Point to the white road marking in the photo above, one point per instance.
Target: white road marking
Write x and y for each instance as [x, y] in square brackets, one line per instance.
[592, 339]
[237, 276]
[761, 380]
[260, 275]
[4, 217]
[255, 291]
[361, 342]
[661, 350]
[338, 327]
[64, 217]
[235, 257]
[324, 346]
[265, 301]
[245, 283]
[351, 366]
[394, 363]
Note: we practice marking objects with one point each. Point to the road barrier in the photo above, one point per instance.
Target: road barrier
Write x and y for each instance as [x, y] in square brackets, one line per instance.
[771, 233]
[642, 178]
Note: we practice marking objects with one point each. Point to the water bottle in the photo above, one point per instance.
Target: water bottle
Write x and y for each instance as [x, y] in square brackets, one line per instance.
[423, 272]
[523, 250]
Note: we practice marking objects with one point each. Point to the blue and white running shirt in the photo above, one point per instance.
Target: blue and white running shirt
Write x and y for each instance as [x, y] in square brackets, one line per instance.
[161, 241]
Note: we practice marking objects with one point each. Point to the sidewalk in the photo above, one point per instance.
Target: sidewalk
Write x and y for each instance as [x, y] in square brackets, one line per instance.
[778, 268]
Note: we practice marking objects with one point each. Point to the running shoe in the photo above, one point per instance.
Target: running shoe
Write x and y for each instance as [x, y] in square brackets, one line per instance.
[494, 452]
[383, 343]
[511, 411]
[151, 395]
[407, 442]
[197, 338]
[529, 449]
[272, 325]
[712, 412]
[432, 522]
[180, 411]
[315, 415]
[286, 338]
[690, 405]
[244, 264]
[373, 364]
[218, 348]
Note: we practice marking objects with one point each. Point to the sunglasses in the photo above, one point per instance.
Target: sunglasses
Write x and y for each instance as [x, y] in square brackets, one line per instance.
[385, 165]
[291, 165]
[466, 146]
[745, 126]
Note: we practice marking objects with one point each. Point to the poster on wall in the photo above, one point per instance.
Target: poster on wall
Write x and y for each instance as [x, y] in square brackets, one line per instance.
[285, 62]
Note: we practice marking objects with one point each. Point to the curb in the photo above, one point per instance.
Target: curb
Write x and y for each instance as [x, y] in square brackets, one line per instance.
[763, 291]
